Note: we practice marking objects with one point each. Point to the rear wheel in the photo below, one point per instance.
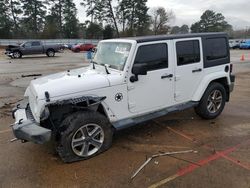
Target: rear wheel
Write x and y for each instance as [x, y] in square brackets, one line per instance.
[86, 134]
[212, 102]
[50, 53]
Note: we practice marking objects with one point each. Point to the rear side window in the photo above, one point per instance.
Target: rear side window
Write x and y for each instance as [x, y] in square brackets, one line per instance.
[188, 52]
[216, 48]
[155, 56]
[35, 43]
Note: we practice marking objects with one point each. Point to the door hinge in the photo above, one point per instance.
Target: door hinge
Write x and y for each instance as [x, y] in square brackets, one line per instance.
[131, 87]
[176, 78]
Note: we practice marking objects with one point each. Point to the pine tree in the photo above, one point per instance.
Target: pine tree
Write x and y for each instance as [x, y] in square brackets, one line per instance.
[70, 21]
[135, 16]
[16, 11]
[211, 22]
[34, 16]
[5, 20]
[56, 16]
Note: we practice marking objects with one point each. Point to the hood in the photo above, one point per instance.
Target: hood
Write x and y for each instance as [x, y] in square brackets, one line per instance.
[67, 83]
[9, 47]
[73, 82]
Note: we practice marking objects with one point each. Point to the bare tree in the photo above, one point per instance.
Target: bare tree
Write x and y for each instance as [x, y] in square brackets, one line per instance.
[161, 19]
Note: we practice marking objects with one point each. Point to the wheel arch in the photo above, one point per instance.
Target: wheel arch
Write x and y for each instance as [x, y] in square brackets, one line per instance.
[50, 49]
[57, 111]
[221, 78]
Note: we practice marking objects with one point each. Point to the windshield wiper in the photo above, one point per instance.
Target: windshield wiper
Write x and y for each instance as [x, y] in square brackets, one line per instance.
[93, 62]
[106, 69]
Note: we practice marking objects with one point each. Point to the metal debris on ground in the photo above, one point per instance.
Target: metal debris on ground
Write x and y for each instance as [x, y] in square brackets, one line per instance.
[161, 155]
[31, 75]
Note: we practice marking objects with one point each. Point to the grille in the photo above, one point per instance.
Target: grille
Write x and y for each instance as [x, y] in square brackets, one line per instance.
[29, 114]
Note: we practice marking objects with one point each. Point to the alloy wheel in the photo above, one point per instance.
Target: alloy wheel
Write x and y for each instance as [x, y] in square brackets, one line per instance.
[87, 140]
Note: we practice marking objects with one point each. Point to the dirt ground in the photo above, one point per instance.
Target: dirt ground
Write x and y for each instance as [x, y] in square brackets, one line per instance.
[223, 144]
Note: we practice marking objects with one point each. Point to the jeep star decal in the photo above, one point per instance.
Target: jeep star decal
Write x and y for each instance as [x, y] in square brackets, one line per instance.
[118, 97]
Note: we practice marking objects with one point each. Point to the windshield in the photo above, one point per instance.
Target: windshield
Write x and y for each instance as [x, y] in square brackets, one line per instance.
[114, 54]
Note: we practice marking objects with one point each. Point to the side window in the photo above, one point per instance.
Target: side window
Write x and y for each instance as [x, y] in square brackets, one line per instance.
[188, 52]
[35, 44]
[27, 44]
[216, 48]
[154, 56]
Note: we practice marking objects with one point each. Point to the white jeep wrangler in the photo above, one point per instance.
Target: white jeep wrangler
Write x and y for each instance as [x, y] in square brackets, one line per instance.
[129, 81]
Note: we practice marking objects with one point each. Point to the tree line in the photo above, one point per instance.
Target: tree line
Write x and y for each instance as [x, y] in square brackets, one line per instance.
[53, 19]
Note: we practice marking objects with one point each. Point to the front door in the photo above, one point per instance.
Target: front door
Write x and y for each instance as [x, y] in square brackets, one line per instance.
[189, 68]
[154, 90]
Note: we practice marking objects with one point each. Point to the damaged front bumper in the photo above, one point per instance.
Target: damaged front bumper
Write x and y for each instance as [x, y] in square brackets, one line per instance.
[26, 128]
[9, 54]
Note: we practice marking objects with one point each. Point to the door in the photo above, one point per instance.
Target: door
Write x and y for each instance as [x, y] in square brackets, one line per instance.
[154, 90]
[36, 47]
[189, 68]
[26, 48]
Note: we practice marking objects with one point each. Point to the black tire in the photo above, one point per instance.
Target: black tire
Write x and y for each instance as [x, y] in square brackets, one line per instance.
[204, 105]
[17, 54]
[71, 126]
[77, 50]
[50, 53]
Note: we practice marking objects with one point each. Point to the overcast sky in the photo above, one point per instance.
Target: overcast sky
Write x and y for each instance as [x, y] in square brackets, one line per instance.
[237, 12]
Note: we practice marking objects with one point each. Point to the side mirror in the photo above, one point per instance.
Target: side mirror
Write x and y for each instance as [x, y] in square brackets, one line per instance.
[138, 69]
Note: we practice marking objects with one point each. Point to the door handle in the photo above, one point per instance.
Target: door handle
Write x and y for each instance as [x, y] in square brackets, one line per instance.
[167, 76]
[196, 70]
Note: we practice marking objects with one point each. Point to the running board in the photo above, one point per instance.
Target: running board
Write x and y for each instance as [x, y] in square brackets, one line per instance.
[129, 122]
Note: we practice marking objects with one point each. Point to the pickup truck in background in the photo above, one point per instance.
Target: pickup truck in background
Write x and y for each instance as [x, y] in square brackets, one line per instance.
[32, 48]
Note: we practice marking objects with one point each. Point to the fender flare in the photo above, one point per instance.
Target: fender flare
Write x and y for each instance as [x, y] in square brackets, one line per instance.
[206, 81]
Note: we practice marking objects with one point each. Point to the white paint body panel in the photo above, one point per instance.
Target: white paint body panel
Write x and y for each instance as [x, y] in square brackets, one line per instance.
[186, 82]
[149, 94]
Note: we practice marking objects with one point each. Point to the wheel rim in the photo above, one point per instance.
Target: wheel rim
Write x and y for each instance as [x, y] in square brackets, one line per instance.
[214, 101]
[16, 54]
[87, 140]
[51, 53]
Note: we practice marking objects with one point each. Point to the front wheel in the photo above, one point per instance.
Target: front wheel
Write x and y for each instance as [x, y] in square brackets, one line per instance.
[17, 54]
[86, 134]
[213, 101]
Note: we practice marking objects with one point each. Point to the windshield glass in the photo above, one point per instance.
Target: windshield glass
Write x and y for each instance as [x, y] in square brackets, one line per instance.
[114, 54]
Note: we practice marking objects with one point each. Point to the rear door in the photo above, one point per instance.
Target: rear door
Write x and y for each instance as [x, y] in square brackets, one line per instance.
[154, 90]
[188, 68]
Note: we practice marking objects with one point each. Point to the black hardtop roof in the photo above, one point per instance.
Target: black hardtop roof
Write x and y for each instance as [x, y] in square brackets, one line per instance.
[142, 39]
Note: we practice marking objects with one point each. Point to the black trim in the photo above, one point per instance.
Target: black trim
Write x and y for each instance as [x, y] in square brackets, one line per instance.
[232, 78]
[215, 62]
[170, 37]
[125, 123]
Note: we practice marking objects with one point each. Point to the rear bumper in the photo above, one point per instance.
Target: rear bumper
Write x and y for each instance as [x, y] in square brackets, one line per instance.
[231, 86]
[25, 128]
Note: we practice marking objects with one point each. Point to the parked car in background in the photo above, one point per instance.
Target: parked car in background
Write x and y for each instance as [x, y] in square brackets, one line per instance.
[245, 44]
[234, 44]
[32, 48]
[82, 47]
